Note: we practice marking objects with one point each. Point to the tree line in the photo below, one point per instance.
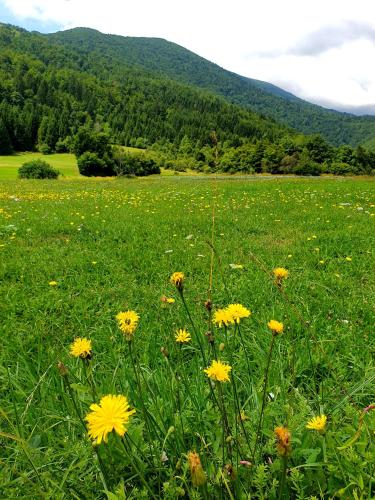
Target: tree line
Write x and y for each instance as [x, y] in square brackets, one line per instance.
[50, 103]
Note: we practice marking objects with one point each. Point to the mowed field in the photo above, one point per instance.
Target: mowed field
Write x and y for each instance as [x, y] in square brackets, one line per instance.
[74, 253]
[65, 163]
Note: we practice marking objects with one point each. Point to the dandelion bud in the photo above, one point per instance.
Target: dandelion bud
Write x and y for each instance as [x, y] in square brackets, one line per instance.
[198, 477]
[164, 352]
[245, 462]
[230, 472]
[222, 346]
[210, 337]
[283, 441]
[64, 372]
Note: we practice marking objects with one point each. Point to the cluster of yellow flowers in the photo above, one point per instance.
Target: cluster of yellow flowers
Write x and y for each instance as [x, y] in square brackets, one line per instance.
[113, 412]
[230, 315]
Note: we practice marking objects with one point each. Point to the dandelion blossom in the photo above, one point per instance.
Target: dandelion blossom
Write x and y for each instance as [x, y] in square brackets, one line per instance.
[198, 477]
[182, 336]
[280, 273]
[317, 423]
[238, 312]
[177, 279]
[218, 371]
[283, 441]
[111, 414]
[81, 348]
[275, 326]
[52, 283]
[222, 317]
[127, 322]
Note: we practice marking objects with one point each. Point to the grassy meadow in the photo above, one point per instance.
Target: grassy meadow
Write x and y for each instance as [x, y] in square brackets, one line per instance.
[74, 253]
[65, 163]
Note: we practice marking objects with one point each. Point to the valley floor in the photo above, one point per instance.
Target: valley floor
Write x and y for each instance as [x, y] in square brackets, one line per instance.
[74, 254]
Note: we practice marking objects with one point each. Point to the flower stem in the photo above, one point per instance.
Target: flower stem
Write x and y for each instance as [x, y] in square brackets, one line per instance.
[73, 399]
[138, 383]
[283, 477]
[264, 396]
[133, 460]
[193, 325]
[237, 408]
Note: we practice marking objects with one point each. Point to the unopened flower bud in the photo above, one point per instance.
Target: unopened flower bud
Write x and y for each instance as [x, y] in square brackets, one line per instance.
[62, 369]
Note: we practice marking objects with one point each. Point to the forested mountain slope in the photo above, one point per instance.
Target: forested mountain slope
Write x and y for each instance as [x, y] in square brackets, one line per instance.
[48, 90]
[170, 60]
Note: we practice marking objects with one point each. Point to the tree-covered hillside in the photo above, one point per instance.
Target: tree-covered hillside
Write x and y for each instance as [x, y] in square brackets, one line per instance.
[48, 91]
[83, 92]
[171, 60]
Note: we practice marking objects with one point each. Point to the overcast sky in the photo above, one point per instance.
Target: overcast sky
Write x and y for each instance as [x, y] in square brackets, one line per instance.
[320, 50]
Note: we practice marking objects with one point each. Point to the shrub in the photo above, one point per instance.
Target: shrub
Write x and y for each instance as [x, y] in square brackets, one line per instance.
[133, 164]
[306, 166]
[44, 149]
[37, 169]
[341, 168]
[64, 146]
[90, 165]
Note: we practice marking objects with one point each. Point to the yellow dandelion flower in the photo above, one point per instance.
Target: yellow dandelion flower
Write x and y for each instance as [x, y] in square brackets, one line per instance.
[222, 317]
[283, 441]
[317, 423]
[81, 348]
[198, 477]
[348, 259]
[182, 336]
[280, 273]
[238, 312]
[111, 414]
[127, 322]
[275, 326]
[177, 279]
[218, 371]
[52, 283]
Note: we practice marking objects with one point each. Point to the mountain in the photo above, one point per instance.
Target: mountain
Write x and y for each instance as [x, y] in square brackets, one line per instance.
[166, 59]
[49, 88]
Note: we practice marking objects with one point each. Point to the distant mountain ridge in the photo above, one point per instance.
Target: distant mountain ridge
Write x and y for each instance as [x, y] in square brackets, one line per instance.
[49, 89]
[165, 58]
[150, 88]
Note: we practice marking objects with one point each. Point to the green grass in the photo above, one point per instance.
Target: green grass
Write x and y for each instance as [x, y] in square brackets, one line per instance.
[64, 162]
[111, 245]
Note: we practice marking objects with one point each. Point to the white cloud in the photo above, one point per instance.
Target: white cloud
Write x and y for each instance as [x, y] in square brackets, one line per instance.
[238, 35]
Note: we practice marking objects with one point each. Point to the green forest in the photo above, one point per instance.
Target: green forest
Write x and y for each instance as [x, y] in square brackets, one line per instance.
[80, 85]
